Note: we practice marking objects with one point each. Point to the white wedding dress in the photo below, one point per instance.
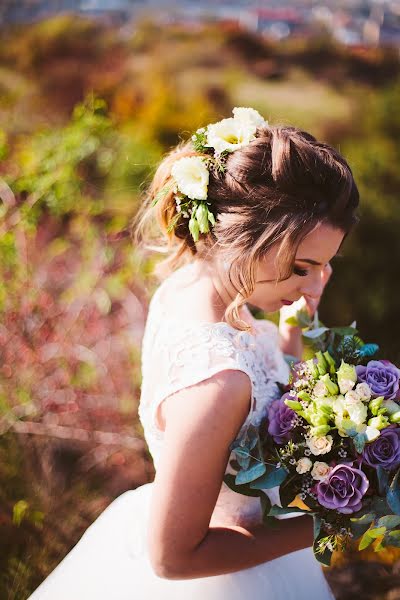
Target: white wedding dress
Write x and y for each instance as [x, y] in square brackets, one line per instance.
[110, 562]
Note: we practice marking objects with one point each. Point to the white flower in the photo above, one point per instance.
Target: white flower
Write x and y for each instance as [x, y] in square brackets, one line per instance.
[357, 412]
[320, 389]
[320, 445]
[248, 116]
[320, 470]
[345, 385]
[191, 176]
[352, 397]
[229, 134]
[364, 391]
[371, 433]
[303, 465]
[339, 406]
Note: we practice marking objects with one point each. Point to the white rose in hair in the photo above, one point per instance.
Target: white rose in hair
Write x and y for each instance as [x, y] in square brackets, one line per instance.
[249, 115]
[364, 391]
[320, 470]
[229, 134]
[303, 465]
[191, 176]
[320, 445]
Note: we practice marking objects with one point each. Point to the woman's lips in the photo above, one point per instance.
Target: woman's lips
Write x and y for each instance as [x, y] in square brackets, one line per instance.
[287, 302]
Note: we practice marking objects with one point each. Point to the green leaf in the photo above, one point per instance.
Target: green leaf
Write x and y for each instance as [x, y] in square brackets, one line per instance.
[250, 474]
[324, 557]
[365, 541]
[282, 510]
[229, 479]
[361, 525]
[344, 330]
[271, 479]
[359, 442]
[266, 507]
[367, 518]
[369, 536]
[389, 521]
[393, 494]
[317, 522]
[383, 480]
[393, 538]
[312, 334]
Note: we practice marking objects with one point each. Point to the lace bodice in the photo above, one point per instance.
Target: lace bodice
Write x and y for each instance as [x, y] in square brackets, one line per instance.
[180, 353]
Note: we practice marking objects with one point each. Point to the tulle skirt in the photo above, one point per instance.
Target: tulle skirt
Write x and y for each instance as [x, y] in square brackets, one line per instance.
[110, 563]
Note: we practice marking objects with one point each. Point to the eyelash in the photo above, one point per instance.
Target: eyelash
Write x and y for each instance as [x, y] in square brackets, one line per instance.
[300, 272]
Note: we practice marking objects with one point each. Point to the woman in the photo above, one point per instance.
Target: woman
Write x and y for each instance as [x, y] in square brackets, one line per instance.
[276, 206]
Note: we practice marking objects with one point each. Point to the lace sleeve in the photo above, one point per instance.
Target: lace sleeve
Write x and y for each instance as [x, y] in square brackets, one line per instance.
[176, 356]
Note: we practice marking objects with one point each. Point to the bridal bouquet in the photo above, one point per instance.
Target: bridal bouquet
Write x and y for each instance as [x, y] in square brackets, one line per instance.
[331, 442]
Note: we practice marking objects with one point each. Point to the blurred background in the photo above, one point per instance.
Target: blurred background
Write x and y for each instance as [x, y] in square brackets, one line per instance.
[92, 93]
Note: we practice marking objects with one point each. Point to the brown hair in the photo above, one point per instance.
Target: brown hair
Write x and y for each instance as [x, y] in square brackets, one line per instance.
[276, 189]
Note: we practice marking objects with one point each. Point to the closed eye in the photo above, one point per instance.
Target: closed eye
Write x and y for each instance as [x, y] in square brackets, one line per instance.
[300, 272]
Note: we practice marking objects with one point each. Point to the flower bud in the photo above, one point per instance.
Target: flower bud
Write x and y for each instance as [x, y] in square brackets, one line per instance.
[312, 368]
[319, 431]
[293, 404]
[379, 422]
[194, 229]
[331, 387]
[202, 217]
[375, 404]
[331, 363]
[395, 417]
[322, 365]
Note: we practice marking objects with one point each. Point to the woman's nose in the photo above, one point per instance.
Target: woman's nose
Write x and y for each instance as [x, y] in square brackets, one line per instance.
[314, 287]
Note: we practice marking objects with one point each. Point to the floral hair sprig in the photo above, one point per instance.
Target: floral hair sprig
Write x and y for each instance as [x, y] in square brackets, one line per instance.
[191, 173]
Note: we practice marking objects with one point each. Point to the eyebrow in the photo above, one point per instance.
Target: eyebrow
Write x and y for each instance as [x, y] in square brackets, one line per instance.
[310, 261]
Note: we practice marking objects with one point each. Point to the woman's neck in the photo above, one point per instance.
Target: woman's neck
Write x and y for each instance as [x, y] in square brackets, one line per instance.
[224, 291]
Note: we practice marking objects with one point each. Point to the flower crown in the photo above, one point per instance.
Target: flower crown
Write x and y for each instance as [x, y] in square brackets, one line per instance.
[191, 174]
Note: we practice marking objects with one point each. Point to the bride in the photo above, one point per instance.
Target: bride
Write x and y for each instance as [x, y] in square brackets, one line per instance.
[253, 215]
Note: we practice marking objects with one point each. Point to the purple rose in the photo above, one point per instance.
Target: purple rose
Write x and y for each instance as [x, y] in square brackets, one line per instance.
[343, 489]
[281, 419]
[382, 377]
[385, 450]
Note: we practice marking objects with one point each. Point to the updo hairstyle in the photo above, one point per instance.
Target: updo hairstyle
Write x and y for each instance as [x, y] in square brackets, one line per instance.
[276, 189]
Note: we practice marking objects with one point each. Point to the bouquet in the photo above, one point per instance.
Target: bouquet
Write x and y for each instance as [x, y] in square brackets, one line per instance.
[331, 442]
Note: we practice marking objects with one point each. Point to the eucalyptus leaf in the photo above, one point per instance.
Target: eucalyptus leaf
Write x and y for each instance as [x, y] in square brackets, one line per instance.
[393, 495]
[315, 333]
[390, 521]
[270, 479]
[250, 474]
[359, 442]
[367, 518]
[229, 479]
[317, 522]
[344, 330]
[393, 538]
[383, 480]
[282, 510]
